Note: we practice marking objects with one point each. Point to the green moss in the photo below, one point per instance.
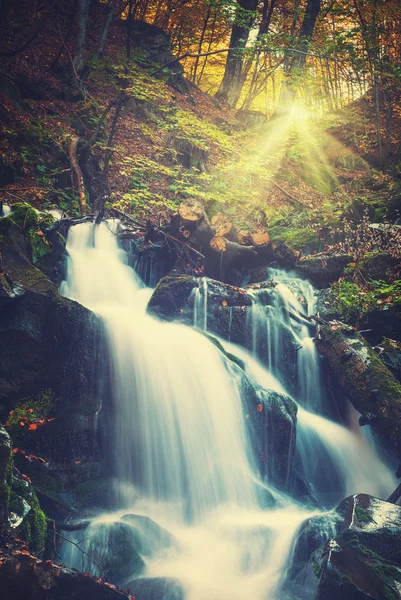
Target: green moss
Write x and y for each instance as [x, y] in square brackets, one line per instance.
[30, 411]
[362, 514]
[97, 493]
[24, 215]
[6, 465]
[316, 568]
[33, 529]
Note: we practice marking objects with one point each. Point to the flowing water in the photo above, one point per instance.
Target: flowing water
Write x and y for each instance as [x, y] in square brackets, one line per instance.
[5, 210]
[181, 443]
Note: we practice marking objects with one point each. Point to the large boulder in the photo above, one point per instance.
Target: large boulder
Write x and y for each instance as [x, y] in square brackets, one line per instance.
[185, 298]
[270, 420]
[364, 560]
[352, 553]
[323, 269]
[50, 359]
[364, 379]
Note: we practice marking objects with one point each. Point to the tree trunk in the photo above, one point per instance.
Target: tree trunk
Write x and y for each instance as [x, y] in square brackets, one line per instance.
[105, 32]
[231, 85]
[81, 35]
[291, 84]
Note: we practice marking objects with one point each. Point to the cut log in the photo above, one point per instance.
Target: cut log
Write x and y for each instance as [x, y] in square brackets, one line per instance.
[191, 211]
[364, 379]
[218, 243]
[186, 233]
[221, 224]
[260, 238]
[244, 238]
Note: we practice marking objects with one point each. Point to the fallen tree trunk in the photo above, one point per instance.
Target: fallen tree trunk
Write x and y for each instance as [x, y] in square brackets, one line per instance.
[364, 379]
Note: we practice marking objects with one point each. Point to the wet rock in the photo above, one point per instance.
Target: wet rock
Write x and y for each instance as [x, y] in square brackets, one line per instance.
[151, 262]
[285, 256]
[390, 353]
[49, 347]
[364, 379]
[360, 557]
[23, 576]
[327, 306]
[148, 536]
[113, 546]
[364, 560]
[271, 424]
[156, 588]
[5, 475]
[259, 275]
[26, 517]
[378, 266]
[174, 297]
[323, 269]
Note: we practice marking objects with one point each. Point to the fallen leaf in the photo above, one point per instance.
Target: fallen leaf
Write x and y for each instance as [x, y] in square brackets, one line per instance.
[32, 427]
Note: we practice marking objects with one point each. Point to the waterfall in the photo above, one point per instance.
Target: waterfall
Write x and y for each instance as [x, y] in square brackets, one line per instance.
[5, 210]
[180, 438]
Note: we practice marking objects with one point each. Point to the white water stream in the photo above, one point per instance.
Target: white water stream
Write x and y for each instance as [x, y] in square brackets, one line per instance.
[181, 439]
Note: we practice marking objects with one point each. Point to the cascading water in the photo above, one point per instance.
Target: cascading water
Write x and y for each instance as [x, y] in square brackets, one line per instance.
[5, 210]
[181, 439]
[332, 459]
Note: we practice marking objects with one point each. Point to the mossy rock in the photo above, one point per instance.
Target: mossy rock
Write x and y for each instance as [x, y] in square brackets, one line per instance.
[6, 462]
[323, 269]
[365, 380]
[96, 494]
[24, 215]
[25, 511]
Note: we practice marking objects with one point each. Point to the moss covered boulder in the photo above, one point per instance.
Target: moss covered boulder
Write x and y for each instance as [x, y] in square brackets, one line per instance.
[5, 475]
[364, 560]
[323, 269]
[364, 379]
[49, 347]
[26, 516]
[270, 420]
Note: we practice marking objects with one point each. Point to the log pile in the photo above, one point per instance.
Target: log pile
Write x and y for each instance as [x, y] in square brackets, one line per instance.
[217, 239]
[215, 244]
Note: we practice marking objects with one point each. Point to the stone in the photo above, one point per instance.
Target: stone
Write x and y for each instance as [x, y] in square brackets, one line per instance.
[354, 553]
[156, 588]
[323, 269]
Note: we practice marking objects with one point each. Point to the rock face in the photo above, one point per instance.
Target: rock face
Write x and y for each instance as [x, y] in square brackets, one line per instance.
[23, 576]
[364, 560]
[271, 424]
[323, 269]
[355, 553]
[174, 298]
[49, 352]
[363, 378]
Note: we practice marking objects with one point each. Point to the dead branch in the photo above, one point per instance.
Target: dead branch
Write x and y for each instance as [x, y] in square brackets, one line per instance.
[78, 174]
[289, 196]
[76, 544]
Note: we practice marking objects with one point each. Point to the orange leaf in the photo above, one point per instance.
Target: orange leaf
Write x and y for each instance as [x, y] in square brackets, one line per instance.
[259, 407]
[224, 303]
[22, 423]
[32, 427]
[39, 233]
[15, 450]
